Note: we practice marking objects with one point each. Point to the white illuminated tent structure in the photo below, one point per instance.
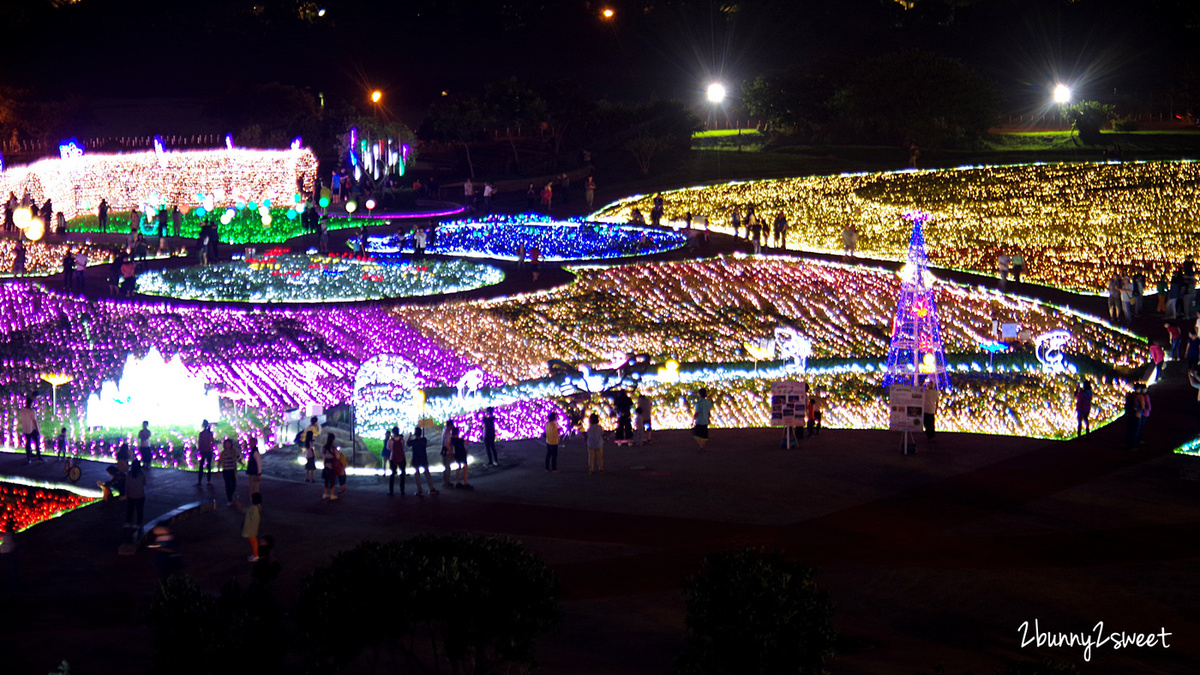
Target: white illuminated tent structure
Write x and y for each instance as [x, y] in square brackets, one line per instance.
[77, 182]
[153, 389]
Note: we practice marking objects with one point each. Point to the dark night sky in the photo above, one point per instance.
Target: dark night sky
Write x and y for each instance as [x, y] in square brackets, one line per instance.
[414, 49]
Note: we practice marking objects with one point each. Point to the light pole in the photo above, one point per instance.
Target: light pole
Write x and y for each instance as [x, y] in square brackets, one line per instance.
[55, 380]
[1062, 96]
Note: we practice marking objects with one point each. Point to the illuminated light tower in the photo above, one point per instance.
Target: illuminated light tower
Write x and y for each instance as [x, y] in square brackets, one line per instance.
[916, 347]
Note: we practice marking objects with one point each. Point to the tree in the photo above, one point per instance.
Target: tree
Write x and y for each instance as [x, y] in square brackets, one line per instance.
[269, 114]
[457, 119]
[568, 109]
[914, 96]
[794, 102]
[241, 629]
[431, 580]
[644, 148]
[513, 104]
[1087, 117]
[647, 130]
[756, 611]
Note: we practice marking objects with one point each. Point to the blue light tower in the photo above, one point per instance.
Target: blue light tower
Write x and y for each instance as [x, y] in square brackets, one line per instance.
[916, 348]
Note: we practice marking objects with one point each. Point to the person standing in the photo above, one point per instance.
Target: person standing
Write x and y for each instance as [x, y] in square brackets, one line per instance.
[144, 443]
[701, 415]
[589, 191]
[488, 192]
[339, 468]
[645, 417]
[1114, 297]
[813, 412]
[447, 455]
[176, 221]
[929, 407]
[251, 523]
[204, 447]
[102, 215]
[535, 262]
[1175, 335]
[552, 435]
[1157, 357]
[1083, 408]
[420, 460]
[328, 469]
[229, 465]
[468, 192]
[1003, 263]
[462, 480]
[135, 495]
[397, 461]
[19, 258]
[595, 445]
[624, 407]
[68, 270]
[254, 469]
[1018, 266]
[1193, 350]
[489, 436]
[1144, 408]
[29, 429]
[1127, 298]
[81, 261]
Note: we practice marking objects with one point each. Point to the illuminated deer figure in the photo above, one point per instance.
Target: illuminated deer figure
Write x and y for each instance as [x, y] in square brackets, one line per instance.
[471, 382]
[792, 345]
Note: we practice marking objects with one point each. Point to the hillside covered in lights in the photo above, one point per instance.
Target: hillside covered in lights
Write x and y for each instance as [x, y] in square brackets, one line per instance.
[711, 312]
[1075, 223]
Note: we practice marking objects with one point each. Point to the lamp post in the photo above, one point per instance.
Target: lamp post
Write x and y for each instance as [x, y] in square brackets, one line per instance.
[1062, 96]
[56, 379]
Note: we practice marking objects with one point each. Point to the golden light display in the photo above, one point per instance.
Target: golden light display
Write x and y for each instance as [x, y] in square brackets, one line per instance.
[1075, 224]
[709, 311]
[76, 185]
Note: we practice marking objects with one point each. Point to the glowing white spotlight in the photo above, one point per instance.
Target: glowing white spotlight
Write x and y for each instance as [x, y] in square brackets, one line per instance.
[716, 92]
[1062, 94]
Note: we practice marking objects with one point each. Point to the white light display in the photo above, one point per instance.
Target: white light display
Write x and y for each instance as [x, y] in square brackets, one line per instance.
[76, 183]
[792, 345]
[153, 389]
[1050, 349]
[386, 393]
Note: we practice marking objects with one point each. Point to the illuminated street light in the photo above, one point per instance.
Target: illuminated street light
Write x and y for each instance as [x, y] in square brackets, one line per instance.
[321, 12]
[1062, 94]
[608, 13]
[376, 96]
[716, 92]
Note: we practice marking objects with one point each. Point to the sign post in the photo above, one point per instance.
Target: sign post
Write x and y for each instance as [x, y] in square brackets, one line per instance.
[789, 404]
[906, 404]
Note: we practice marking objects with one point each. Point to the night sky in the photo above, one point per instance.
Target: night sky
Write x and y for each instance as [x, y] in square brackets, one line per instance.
[415, 49]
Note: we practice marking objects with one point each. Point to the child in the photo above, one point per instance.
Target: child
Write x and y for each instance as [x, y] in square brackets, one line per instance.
[251, 522]
[595, 445]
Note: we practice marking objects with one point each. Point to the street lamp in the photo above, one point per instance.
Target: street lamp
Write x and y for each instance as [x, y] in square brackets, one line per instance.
[1062, 96]
[376, 96]
[56, 380]
[716, 93]
[608, 13]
